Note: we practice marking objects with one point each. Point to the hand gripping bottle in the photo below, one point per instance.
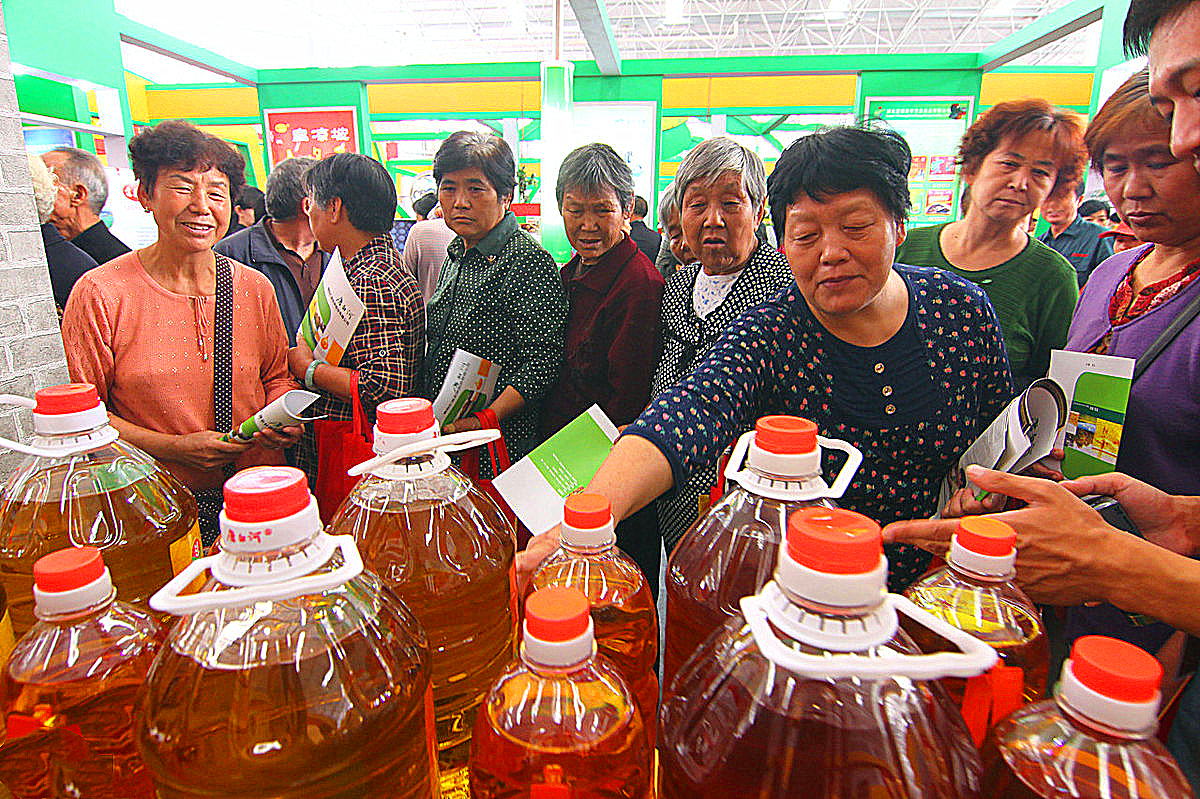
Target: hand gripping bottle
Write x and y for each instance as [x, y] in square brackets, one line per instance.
[1094, 739]
[730, 551]
[975, 593]
[69, 690]
[622, 607]
[293, 673]
[83, 486]
[560, 721]
[444, 547]
[813, 691]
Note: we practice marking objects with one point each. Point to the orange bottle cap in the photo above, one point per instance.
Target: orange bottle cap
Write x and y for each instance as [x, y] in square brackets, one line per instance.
[68, 398]
[557, 614]
[986, 536]
[265, 493]
[586, 511]
[785, 435]
[68, 569]
[834, 541]
[1116, 669]
[404, 415]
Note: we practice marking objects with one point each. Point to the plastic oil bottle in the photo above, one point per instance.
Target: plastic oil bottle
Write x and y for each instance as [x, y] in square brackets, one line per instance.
[559, 722]
[813, 691]
[445, 548]
[83, 486]
[68, 692]
[974, 592]
[623, 610]
[1094, 739]
[293, 673]
[731, 550]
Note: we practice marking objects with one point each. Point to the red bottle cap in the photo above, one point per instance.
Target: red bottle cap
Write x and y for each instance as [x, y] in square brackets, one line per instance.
[785, 435]
[404, 415]
[68, 398]
[985, 536]
[834, 541]
[68, 569]
[557, 614]
[549, 790]
[265, 493]
[1116, 669]
[586, 511]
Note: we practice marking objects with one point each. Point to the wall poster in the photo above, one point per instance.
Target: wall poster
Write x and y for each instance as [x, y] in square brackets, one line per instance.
[312, 132]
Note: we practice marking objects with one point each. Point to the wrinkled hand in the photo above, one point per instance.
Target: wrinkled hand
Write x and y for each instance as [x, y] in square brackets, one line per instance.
[206, 450]
[1159, 516]
[279, 439]
[528, 559]
[463, 425]
[963, 503]
[1062, 543]
[298, 358]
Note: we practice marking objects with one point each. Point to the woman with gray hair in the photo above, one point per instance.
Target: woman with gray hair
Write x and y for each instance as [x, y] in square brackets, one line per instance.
[721, 193]
[674, 251]
[614, 295]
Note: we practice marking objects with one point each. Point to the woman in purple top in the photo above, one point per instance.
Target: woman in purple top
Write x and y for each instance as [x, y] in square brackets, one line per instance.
[1131, 298]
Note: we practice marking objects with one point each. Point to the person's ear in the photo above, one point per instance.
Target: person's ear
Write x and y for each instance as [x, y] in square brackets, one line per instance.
[762, 212]
[79, 195]
[143, 196]
[901, 232]
[336, 210]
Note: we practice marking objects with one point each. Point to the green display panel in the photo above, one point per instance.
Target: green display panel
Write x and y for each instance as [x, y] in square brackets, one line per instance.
[932, 126]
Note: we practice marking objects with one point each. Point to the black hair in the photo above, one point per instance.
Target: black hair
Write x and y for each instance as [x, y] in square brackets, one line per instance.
[1089, 207]
[176, 144]
[837, 160]
[252, 197]
[1141, 20]
[488, 153]
[362, 184]
[640, 206]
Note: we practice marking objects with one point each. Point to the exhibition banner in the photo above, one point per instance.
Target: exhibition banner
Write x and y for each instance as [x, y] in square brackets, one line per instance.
[932, 126]
[311, 132]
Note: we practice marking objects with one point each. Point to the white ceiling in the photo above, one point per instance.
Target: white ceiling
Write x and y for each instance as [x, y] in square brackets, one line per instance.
[270, 34]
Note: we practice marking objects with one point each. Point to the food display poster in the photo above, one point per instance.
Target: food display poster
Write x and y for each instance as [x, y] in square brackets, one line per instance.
[311, 132]
[932, 126]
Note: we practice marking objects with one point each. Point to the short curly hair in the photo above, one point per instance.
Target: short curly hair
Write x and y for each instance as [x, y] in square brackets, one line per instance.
[175, 144]
[1017, 119]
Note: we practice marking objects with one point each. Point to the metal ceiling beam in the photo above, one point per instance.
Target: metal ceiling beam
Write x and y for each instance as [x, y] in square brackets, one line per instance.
[148, 38]
[592, 16]
[1049, 28]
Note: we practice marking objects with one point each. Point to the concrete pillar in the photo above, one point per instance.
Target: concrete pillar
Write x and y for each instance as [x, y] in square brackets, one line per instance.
[31, 348]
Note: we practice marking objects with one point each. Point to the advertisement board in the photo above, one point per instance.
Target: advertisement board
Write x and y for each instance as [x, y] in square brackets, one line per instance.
[312, 132]
[932, 126]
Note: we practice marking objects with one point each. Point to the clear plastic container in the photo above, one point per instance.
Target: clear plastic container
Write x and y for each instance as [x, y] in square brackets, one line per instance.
[560, 722]
[294, 673]
[1094, 739]
[82, 486]
[69, 690]
[975, 592]
[814, 691]
[622, 606]
[445, 548]
[731, 550]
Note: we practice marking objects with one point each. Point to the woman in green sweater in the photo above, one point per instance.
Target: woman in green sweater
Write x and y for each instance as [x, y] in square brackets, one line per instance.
[1013, 157]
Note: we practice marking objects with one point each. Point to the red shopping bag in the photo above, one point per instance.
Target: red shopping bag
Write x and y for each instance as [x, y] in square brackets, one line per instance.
[340, 445]
[498, 453]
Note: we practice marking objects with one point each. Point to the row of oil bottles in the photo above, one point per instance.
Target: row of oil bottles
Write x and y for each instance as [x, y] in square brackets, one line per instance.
[375, 658]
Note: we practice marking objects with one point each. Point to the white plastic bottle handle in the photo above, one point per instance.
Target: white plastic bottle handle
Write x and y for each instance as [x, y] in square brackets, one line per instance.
[82, 444]
[451, 443]
[746, 477]
[975, 657]
[169, 600]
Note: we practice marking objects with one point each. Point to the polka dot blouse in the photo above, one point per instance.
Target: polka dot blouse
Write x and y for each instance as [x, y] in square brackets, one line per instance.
[778, 358]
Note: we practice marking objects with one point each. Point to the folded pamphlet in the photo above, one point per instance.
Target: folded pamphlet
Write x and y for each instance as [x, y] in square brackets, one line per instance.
[1097, 389]
[468, 387]
[284, 411]
[332, 315]
[537, 486]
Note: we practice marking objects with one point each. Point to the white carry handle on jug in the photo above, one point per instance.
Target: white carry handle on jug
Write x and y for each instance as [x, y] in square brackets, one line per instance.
[810, 488]
[63, 433]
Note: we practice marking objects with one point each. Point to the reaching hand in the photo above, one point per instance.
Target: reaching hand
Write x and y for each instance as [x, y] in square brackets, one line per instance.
[528, 559]
[1160, 517]
[206, 450]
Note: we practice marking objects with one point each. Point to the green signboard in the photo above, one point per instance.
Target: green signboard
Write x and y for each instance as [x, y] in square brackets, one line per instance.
[932, 126]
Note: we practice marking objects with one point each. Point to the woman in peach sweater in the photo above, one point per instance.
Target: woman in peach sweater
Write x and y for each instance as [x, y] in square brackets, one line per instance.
[142, 328]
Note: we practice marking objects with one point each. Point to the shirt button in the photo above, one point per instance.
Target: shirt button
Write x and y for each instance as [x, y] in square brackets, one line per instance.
[889, 409]
[878, 368]
[887, 391]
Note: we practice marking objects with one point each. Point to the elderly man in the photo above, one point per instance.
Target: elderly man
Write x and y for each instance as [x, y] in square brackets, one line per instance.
[82, 192]
[281, 245]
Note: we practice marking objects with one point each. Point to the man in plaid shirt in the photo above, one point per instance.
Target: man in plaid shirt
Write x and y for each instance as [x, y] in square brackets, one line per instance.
[351, 203]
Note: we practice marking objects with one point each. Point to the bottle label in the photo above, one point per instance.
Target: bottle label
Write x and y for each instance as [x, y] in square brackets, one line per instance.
[456, 784]
[183, 551]
[7, 639]
[990, 697]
